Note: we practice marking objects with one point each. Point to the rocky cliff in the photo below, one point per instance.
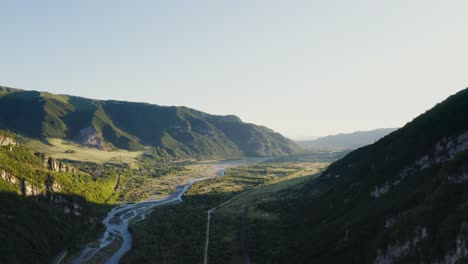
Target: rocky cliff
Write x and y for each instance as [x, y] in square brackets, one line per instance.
[58, 166]
[26, 188]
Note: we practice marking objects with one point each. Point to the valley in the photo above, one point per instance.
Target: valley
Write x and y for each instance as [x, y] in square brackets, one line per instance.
[234, 132]
[398, 200]
[117, 236]
[176, 233]
[97, 189]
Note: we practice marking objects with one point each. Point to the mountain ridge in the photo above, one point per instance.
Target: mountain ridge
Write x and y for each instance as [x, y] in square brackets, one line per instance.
[343, 141]
[399, 200]
[174, 131]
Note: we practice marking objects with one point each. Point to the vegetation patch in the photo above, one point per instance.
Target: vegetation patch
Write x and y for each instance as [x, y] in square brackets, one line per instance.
[176, 233]
[63, 149]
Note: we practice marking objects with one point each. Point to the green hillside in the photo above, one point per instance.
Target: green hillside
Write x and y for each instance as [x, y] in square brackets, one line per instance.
[47, 205]
[400, 200]
[65, 160]
[174, 131]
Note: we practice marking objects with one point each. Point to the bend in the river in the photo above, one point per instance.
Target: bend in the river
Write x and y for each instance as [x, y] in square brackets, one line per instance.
[118, 219]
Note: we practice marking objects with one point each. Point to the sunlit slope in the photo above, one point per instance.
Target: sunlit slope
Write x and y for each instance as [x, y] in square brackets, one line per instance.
[174, 131]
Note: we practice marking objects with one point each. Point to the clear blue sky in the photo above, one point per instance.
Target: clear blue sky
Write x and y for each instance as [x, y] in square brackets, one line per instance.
[303, 68]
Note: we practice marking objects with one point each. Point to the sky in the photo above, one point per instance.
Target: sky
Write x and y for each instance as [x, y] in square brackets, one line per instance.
[302, 68]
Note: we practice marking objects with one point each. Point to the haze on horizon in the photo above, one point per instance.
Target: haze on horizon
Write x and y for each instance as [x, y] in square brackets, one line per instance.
[302, 68]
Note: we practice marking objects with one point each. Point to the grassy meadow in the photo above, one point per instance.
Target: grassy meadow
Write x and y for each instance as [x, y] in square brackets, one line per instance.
[64, 149]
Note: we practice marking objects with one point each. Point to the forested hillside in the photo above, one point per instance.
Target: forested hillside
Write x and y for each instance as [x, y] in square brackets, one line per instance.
[174, 131]
[400, 200]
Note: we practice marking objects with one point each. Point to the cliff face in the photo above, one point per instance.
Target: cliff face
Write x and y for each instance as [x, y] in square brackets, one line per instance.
[45, 203]
[57, 165]
[49, 186]
[35, 187]
[90, 137]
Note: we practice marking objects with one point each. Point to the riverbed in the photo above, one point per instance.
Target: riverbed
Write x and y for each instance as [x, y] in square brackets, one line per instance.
[117, 240]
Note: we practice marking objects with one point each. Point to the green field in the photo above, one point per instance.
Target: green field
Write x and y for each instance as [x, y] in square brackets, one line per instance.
[64, 149]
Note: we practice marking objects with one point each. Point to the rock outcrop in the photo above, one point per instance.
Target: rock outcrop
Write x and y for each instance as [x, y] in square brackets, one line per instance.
[57, 166]
[51, 164]
[51, 186]
[6, 141]
[445, 150]
[68, 205]
[26, 188]
[29, 189]
[9, 177]
[90, 137]
[395, 252]
[460, 251]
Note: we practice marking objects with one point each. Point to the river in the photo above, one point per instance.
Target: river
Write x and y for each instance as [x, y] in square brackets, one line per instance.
[118, 219]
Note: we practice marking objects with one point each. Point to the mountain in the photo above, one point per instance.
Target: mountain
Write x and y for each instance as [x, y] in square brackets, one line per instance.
[403, 199]
[347, 141]
[173, 131]
[53, 203]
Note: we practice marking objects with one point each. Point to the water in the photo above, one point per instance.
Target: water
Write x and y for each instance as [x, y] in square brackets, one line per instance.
[118, 219]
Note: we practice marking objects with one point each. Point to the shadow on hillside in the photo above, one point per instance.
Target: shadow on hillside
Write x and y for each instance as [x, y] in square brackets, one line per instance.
[33, 231]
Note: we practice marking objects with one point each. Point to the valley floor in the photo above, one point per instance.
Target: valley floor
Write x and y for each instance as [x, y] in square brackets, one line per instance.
[117, 240]
[177, 233]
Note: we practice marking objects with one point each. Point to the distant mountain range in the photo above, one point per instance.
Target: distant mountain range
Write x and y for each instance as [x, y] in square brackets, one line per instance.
[346, 141]
[173, 131]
